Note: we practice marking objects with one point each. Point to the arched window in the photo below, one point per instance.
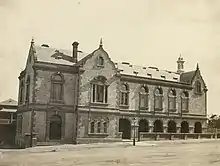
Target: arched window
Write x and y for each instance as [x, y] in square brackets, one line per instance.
[185, 101]
[100, 61]
[158, 102]
[105, 127]
[172, 100]
[21, 92]
[99, 90]
[27, 89]
[99, 127]
[143, 97]
[198, 87]
[92, 127]
[57, 88]
[124, 92]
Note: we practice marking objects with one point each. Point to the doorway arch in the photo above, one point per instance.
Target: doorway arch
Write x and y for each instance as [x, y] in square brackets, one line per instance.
[125, 128]
[55, 127]
[198, 127]
[184, 127]
[171, 127]
[158, 126]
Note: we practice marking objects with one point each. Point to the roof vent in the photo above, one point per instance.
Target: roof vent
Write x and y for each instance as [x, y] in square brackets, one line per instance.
[144, 68]
[175, 78]
[162, 76]
[125, 63]
[44, 45]
[148, 74]
[130, 65]
[154, 68]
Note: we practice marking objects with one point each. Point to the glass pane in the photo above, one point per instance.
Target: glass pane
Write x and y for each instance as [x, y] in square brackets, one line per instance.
[100, 93]
[57, 91]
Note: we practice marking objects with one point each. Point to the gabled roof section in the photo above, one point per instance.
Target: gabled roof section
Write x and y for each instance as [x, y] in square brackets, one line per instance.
[147, 72]
[187, 77]
[45, 53]
[9, 102]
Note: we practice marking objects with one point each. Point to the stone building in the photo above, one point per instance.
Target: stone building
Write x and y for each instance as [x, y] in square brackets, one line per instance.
[72, 97]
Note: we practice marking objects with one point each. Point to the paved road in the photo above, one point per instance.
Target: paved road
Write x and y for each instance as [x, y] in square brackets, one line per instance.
[156, 153]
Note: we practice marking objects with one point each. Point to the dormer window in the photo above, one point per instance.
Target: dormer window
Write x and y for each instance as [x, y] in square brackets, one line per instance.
[100, 61]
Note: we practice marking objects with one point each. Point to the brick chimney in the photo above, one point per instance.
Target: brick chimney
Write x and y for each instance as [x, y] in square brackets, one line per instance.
[75, 51]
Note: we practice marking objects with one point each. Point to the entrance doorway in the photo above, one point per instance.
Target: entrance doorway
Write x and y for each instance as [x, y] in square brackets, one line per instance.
[55, 127]
[184, 127]
[198, 127]
[125, 128]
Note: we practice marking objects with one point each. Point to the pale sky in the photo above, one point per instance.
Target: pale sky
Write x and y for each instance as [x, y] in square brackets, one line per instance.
[143, 32]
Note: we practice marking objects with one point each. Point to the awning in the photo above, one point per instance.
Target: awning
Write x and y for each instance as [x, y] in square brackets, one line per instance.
[8, 110]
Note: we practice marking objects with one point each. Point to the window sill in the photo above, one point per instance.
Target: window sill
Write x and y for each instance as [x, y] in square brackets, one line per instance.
[98, 134]
[172, 110]
[99, 103]
[144, 109]
[158, 109]
[57, 101]
[185, 111]
[124, 106]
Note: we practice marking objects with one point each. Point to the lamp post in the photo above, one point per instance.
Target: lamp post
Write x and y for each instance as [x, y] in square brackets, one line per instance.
[134, 131]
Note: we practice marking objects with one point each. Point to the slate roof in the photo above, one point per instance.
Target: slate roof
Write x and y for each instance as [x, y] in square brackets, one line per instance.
[9, 102]
[148, 72]
[50, 55]
[187, 76]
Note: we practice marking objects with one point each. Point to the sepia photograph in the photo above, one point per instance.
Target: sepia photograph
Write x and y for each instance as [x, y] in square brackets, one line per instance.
[109, 82]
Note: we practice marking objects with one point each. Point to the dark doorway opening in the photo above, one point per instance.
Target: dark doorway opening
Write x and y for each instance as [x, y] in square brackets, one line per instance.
[55, 127]
[171, 127]
[125, 128]
[184, 127]
[198, 127]
[143, 127]
[158, 126]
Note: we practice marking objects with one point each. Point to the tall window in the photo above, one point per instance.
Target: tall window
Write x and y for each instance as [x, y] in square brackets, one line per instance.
[100, 61]
[143, 97]
[57, 88]
[158, 102]
[27, 89]
[92, 127]
[100, 90]
[105, 127]
[21, 92]
[99, 127]
[198, 87]
[185, 101]
[172, 100]
[124, 93]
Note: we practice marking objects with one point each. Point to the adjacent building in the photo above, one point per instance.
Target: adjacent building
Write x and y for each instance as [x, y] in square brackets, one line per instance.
[72, 97]
[8, 109]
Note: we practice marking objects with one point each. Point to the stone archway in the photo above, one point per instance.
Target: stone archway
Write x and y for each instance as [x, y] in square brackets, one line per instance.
[55, 127]
[143, 127]
[125, 128]
[198, 127]
[171, 127]
[184, 127]
[158, 126]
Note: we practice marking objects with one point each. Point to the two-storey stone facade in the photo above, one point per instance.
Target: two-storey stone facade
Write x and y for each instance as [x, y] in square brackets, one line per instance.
[70, 96]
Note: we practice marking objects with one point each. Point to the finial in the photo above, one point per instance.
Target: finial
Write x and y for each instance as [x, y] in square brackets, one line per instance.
[197, 66]
[101, 44]
[32, 40]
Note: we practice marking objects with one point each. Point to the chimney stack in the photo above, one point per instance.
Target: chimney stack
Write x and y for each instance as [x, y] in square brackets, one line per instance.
[75, 51]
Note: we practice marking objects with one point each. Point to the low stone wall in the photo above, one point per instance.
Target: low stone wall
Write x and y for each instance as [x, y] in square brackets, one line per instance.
[173, 136]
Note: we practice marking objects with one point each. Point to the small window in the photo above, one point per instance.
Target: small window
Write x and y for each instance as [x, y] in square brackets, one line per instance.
[172, 100]
[198, 87]
[185, 101]
[124, 93]
[27, 89]
[99, 90]
[143, 97]
[100, 61]
[158, 99]
[57, 88]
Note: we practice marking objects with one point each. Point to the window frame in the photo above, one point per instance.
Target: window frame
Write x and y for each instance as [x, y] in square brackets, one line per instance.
[172, 98]
[100, 61]
[97, 83]
[53, 97]
[159, 97]
[124, 95]
[198, 87]
[185, 99]
[27, 89]
[21, 93]
[145, 95]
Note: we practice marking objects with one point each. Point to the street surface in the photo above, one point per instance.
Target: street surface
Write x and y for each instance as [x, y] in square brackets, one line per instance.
[154, 153]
